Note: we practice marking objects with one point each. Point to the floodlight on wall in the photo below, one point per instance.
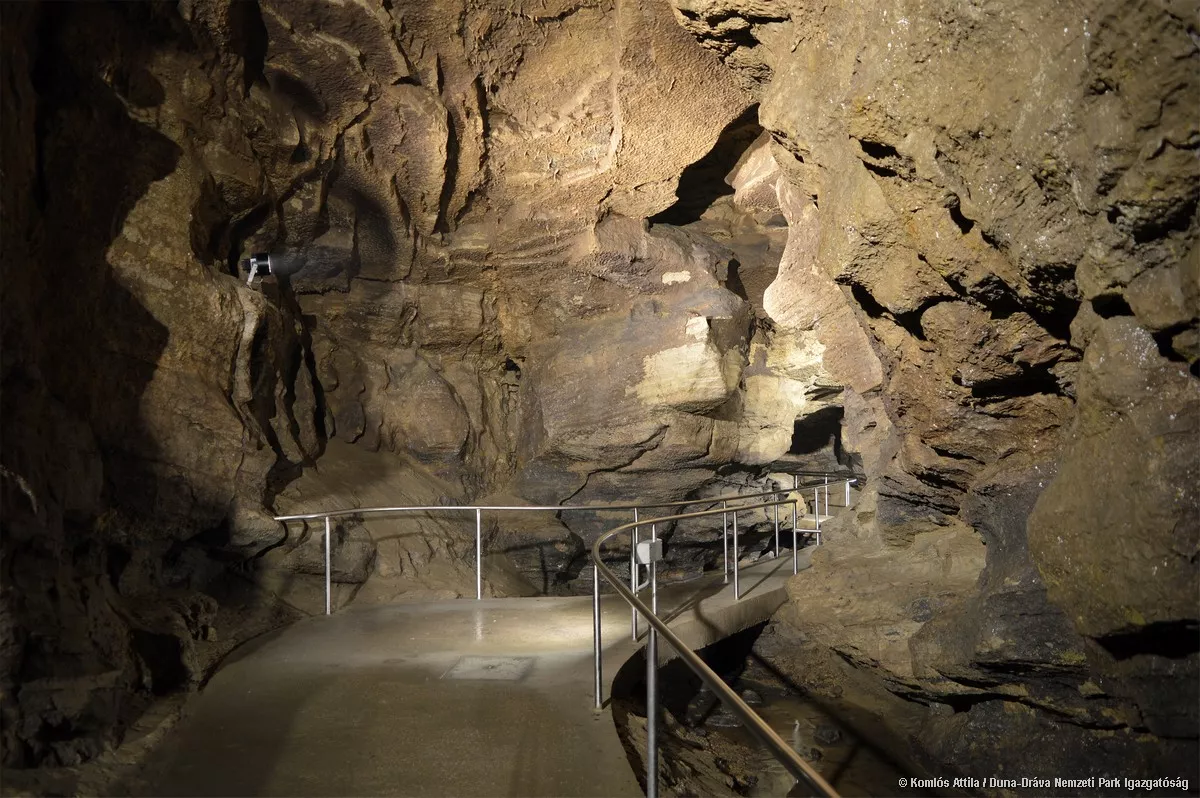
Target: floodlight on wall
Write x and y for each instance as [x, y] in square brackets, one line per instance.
[280, 264]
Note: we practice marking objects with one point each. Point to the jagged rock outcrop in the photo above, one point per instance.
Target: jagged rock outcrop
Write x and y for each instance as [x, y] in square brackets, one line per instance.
[1009, 197]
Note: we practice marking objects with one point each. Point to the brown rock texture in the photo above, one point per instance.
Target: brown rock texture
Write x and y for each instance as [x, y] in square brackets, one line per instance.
[1008, 194]
[461, 190]
[589, 250]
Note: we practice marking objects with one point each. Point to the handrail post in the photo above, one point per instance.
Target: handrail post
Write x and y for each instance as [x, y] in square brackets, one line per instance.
[652, 683]
[826, 494]
[737, 594]
[596, 642]
[775, 497]
[328, 586]
[847, 492]
[658, 630]
[478, 554]
[633, 575]
[652, 713]
[817, 513]
[725, 538]
[653, 573]
[795, 512]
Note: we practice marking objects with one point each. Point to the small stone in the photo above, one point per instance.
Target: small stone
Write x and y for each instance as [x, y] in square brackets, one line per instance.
[827, 734]
[752, 698]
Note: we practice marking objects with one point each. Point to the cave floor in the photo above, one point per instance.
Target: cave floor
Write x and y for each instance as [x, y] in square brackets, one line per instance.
[453, 698]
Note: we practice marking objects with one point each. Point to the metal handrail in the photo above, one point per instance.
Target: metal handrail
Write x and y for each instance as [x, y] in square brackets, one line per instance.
[543, 507]
[479, 508]
[782, 751]
[792, 761]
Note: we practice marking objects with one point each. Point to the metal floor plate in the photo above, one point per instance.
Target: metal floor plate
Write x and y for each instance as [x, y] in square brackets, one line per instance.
[505, 669]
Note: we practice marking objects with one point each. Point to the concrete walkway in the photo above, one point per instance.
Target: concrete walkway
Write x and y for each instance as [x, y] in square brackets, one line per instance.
[454, 698]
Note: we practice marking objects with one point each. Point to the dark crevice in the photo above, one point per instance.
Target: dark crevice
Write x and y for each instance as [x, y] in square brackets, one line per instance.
[940, 481]
[878, 150]
[1030, 381]
[210, 223]
[882, 171]
[733, 281]
[741, 37]
[993, 293]
[249, 38]
[910, 321]
[703, 183]
[1109, 306]
[881, 159]
[320, 405]
[955, 455]
[1056, 319]
[162, 655]
[115, 562]
[867, 302]
[965, 703]
[1001, 301]
[1165, 339]
[964, 224]
[817, 430]
[452, 154]
[1170, 639]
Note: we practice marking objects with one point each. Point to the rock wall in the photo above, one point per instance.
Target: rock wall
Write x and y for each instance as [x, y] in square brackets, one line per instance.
[463, 189]
[1008, 195]
[147, 398]
[590, 250]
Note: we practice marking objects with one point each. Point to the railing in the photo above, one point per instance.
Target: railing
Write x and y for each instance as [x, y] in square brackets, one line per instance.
[478, 510]
[648, 557]
[795, 765]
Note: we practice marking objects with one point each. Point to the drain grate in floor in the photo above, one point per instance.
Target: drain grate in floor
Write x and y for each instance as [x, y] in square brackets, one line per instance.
[507, 669]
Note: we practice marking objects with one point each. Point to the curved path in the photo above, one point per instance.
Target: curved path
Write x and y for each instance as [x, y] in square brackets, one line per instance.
[454, 698]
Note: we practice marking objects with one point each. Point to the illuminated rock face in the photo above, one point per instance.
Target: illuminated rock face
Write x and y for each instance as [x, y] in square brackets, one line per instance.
[581, 251]
[997, 187]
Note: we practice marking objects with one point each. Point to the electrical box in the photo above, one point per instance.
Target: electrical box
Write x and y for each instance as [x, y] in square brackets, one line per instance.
[649, 551]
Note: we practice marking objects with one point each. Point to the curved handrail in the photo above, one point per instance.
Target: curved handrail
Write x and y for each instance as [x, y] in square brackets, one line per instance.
[782, 751]
[791, 761]
[479, 508]
[547, 507]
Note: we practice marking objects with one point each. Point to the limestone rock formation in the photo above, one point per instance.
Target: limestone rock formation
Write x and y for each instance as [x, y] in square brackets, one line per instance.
[1009, 194]
[581, 251]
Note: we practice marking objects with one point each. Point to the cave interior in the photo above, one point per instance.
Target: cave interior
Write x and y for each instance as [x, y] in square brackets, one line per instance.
[581, 252]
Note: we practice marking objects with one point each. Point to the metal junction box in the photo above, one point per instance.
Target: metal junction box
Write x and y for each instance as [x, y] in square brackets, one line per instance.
[649, 551]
